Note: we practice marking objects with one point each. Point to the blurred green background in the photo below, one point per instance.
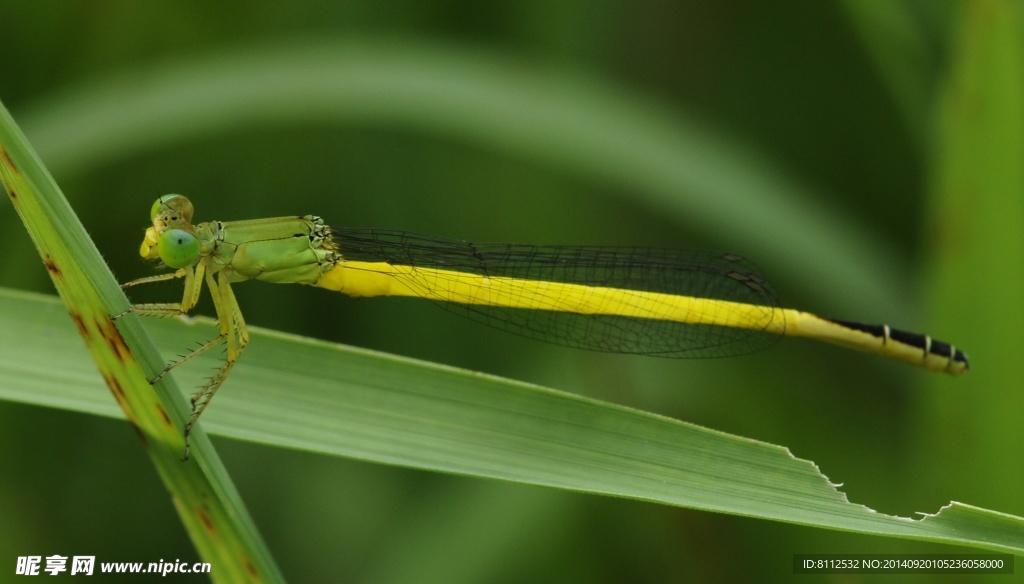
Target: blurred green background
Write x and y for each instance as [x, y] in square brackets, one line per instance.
[863, 154]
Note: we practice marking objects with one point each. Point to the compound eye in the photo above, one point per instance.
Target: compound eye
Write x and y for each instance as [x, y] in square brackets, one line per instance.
[155, 209]
[174, 207]
[178, 248]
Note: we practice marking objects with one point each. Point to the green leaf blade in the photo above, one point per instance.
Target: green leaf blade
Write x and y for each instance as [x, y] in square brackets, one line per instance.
[207, 503]
[300, 393]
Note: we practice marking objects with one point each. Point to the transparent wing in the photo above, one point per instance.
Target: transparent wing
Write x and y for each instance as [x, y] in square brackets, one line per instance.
[703, 274]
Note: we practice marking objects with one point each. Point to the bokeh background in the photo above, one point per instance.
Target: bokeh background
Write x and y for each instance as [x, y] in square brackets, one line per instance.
[861, 153]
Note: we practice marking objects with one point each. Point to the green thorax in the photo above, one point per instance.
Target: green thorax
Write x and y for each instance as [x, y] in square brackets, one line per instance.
[281, 250]
[285, 250]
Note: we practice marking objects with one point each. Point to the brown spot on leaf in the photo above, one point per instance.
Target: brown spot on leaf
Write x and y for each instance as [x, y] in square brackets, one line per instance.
[114, 339]
[51, 266]
[253, 572]
[7, 160]
[117, 390]
[204, 518]
[80, 324]
[163, 414]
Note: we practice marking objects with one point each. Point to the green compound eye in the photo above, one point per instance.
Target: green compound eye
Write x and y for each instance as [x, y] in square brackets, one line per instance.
[178, 248]
[155, 208]
[177, 205]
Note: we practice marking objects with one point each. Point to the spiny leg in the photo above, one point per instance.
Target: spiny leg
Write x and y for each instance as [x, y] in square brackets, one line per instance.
[234, 332]
[190, 295]
[229, 320]
[180, 273]
[156, 309]
[188, 357]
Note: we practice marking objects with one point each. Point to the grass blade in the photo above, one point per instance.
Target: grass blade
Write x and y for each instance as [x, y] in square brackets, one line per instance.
[300, 393]
[207, 502]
